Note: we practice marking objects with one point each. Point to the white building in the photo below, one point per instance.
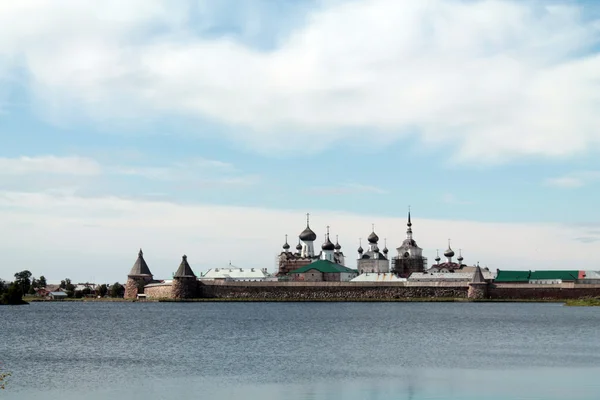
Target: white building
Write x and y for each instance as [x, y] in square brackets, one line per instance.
[236, 274]
[372, 260]
[378, 277]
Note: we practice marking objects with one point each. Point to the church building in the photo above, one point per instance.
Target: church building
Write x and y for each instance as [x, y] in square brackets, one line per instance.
[372, 260]
[289, 261]
[448, 265]
[410, 256]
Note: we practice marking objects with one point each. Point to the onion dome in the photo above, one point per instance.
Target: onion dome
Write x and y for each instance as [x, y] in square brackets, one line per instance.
[327, 245]
[449, 252]
[337, 244]
[437, 258]
[299, 246]
[460, 258]
[373, 238]
[308, 235]
[286, 246]
[385, 250]
[360, 250]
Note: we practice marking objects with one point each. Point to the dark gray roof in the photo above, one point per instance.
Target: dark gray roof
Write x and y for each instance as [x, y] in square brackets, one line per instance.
[371, 255]
[140, 268]
[184, 270]
[478, 276]
[327, 245]
[308, 235]
[373, 238]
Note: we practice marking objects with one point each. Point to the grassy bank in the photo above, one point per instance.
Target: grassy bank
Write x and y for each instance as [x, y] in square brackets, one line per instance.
[583, 302]
[593, 302]
[109, 299]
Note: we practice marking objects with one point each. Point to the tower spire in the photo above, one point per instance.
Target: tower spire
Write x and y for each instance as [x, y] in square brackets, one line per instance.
[409, 226]
[307, 219]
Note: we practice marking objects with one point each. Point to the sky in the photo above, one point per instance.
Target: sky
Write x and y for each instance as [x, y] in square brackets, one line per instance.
[211, 127]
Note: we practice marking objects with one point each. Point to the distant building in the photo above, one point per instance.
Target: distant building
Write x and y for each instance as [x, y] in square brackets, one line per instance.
[591, 277]
[288, 261]
[323, 271]
[57, 295]
[372, 260]
[462, 276]
[138, 277]
[540, 277]
[410, 256]
[448, 265]
[232, 273]
[378, 277]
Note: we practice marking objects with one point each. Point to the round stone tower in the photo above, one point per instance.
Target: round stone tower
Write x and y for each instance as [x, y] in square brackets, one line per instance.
[138, 277]
[478, 287]
[185, 283]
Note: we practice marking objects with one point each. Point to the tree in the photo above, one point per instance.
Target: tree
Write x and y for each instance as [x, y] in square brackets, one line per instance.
[13, 295]
[23, 279]
[31, 290]
[117, 290]
[3, 287]
[102, 290]
[42, 281]
[64, 283]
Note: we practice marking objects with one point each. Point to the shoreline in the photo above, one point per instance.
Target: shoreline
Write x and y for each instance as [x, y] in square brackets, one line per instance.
[566, 302]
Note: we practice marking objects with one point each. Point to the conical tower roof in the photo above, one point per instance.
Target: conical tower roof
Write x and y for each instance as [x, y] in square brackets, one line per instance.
[184, 270]
[140, 268]
[478, 276]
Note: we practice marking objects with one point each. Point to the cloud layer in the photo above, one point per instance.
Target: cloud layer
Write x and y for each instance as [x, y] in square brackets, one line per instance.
[59, 235]
[497, 79]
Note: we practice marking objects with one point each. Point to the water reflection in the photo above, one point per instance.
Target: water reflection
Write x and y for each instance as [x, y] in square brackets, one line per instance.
[300, 351]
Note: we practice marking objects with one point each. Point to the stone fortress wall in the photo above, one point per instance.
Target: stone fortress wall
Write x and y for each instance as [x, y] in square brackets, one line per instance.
[370, 291]
[328, 291]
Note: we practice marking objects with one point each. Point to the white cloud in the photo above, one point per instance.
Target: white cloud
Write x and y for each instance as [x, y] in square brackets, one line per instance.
[497, 78]
[347, 188]
[179, 170]
[49, 165]
[574, 180]
[61, 235]
[58, 174]
[450, 198]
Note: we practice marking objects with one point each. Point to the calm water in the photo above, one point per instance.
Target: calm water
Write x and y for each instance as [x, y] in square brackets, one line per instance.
[300, 351]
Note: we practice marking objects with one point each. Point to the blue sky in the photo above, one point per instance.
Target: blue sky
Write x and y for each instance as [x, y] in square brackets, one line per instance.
[481, 115]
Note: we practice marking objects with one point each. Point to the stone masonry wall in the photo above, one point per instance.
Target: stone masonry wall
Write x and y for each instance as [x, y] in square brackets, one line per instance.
[131, 288]
[185, 288]
[351, 292]
[162, 291]
[542, 292]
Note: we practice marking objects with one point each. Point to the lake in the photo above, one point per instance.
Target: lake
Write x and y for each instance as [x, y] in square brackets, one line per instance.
[300, 351]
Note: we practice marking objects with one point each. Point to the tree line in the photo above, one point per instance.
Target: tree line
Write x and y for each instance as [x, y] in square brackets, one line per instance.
[26, 284]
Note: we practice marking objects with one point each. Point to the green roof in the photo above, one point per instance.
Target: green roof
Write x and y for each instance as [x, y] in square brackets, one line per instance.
[323, 266]
[563, 275]
[512, 276]
[526, 276]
